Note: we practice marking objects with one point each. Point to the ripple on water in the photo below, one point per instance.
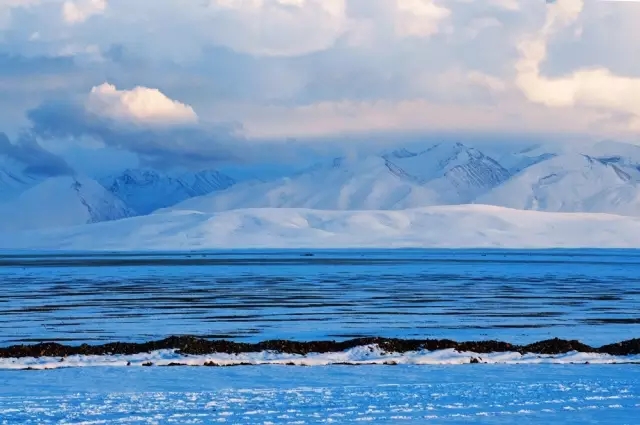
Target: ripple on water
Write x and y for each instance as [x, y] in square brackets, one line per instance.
[520, 296]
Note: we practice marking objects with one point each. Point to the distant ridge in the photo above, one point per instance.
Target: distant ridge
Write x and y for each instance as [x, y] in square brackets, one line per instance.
[148, 190]
[458, 226]
[603, 178]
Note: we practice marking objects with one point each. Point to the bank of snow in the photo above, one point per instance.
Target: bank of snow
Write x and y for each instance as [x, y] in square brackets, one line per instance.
[365, 355]
[462, 226]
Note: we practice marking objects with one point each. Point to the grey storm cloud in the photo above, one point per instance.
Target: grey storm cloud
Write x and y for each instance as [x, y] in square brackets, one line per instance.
[36, 160]
[165, 147]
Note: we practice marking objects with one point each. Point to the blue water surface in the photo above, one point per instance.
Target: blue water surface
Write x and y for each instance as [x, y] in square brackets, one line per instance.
[515, 295]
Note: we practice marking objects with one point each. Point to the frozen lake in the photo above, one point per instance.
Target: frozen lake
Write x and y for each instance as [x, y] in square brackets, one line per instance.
[486, 394]
[518, 296]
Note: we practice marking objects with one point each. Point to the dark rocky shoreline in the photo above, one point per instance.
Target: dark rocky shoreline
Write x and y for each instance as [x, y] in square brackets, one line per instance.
[197, 346]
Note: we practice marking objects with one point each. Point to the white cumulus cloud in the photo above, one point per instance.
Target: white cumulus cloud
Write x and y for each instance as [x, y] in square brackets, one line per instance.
[563, 65]
[277, 27]
[506, 4]
[140, 105]
[77, 11]
[595, 87]
[419, 18]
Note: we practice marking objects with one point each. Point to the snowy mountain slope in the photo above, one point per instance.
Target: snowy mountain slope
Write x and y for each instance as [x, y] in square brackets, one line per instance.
[603, 178]
[445, 226]
[571, 183]
[147, 190]
[458, 172]
[59, 202]
[340, 185]
[622, 199]
[14, 180]
[615, 152]
[515, 162]
[444, 174]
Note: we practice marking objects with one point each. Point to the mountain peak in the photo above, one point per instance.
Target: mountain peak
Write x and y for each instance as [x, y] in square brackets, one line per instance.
[606, 179]
[14, 179]
[148, 190]
[400, 153]
[69, 201]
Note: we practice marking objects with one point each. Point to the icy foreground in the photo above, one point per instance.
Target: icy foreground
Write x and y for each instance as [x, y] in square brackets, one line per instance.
[458, 226]
[550, 394]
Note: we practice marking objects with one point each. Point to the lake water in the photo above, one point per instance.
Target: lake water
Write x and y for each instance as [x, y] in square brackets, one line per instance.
[518, 296]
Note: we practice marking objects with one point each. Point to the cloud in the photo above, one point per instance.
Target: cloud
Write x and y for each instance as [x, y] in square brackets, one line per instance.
[18, 3]
[297, 27]
[35, 159]
[276, 27]
[24, 81]
[71, 11]
[597, 87]
[266, 28]
[10, 4]
[108, 115]
[78, 11]
[419, 18]
[6, 7]
[270, 65]
[512, 5]
[158, 145]
[347, 118]
[459, 86]
[485, 80]
[140, 105]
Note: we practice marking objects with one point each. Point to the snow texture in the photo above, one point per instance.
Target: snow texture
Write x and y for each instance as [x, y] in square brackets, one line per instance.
[441, 227]
[60, 202]
[532, 394]
[532, 179]
[442, 174]
[147, 190]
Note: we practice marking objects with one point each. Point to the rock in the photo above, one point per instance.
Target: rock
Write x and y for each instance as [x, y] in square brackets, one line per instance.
[198, 346]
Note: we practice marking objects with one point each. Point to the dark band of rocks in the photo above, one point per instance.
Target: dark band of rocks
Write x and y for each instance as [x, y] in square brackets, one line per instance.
[196, 346]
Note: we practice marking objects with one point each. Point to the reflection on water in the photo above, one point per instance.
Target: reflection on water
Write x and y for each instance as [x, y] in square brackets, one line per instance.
[520, 296]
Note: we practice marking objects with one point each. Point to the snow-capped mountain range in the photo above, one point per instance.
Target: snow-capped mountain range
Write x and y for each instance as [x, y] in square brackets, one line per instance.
[604, 178]
[59, 202]
[531, 179]
[439, 175]
[148, 190]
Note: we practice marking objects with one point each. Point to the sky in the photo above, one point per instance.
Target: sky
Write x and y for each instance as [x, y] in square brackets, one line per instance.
[168, 82]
